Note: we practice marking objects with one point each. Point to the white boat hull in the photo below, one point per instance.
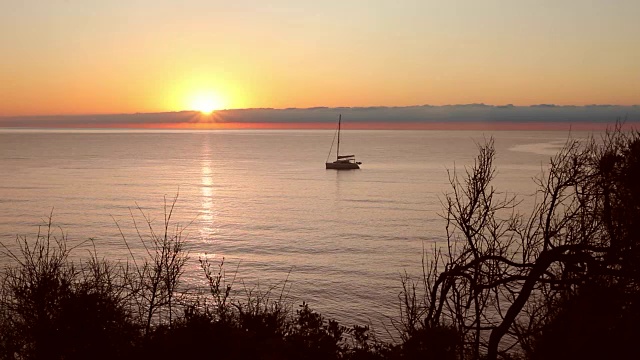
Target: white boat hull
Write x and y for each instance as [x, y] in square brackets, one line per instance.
[342, 165]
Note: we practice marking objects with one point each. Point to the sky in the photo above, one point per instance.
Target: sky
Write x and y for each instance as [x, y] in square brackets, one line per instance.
[140, 56]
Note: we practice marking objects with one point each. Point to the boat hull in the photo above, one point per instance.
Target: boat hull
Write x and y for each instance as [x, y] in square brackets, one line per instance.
[339, 165]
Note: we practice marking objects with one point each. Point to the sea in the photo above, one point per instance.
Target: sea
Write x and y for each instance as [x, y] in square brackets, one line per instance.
[263, 201]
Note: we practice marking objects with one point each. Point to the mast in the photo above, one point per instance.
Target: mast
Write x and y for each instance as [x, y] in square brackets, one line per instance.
[338, 151]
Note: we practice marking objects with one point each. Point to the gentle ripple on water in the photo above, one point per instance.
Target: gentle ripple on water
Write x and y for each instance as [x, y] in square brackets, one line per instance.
[262, 200]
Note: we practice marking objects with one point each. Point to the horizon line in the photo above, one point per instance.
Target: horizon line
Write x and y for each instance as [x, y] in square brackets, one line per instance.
[407, 126]
[369, 107]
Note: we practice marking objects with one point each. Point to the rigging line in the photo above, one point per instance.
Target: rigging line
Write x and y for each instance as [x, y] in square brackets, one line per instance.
[331, 148]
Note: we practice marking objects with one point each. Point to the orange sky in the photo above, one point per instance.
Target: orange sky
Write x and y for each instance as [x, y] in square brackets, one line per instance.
[92, 57]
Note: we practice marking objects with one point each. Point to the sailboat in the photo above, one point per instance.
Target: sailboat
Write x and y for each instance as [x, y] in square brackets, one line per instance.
[343, 162]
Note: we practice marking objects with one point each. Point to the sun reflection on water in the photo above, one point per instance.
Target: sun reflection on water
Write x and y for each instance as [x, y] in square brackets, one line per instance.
[207, 212]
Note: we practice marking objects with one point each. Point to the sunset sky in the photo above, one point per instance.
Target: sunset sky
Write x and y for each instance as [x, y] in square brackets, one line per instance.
[105, 57]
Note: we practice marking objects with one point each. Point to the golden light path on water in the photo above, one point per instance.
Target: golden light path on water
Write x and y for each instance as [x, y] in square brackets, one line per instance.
[206, 213]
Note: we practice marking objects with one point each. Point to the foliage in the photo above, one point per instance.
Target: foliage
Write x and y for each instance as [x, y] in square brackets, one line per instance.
[50, 308]
[54, 308]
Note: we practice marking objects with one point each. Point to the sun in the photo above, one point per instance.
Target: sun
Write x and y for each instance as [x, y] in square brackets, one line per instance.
[206, 103]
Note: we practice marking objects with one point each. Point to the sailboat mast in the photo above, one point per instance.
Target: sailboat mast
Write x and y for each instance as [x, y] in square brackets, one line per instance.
[338, 151]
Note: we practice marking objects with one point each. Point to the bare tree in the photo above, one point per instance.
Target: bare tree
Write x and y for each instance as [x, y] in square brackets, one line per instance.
[160, 273]
[500, 270]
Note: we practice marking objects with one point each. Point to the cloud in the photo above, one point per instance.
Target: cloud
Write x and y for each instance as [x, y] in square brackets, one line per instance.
[423, 114]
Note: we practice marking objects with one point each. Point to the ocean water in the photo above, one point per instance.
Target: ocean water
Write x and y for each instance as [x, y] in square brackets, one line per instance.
[262, 200]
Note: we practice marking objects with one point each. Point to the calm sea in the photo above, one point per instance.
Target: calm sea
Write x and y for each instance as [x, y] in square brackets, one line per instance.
[262, 200]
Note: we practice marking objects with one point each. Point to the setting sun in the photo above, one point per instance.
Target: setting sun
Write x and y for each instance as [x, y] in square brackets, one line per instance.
[206, 103]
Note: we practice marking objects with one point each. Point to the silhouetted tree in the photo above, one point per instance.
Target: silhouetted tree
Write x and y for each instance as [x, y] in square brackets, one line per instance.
[504, 276]
[600, 316]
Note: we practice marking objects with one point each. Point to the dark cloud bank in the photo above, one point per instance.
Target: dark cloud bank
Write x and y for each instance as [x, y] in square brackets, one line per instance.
[471, 113]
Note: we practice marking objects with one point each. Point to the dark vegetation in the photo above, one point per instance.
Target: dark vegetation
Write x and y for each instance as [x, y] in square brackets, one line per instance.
[561, 281]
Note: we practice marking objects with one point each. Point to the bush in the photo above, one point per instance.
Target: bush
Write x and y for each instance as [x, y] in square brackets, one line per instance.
[52, 308]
